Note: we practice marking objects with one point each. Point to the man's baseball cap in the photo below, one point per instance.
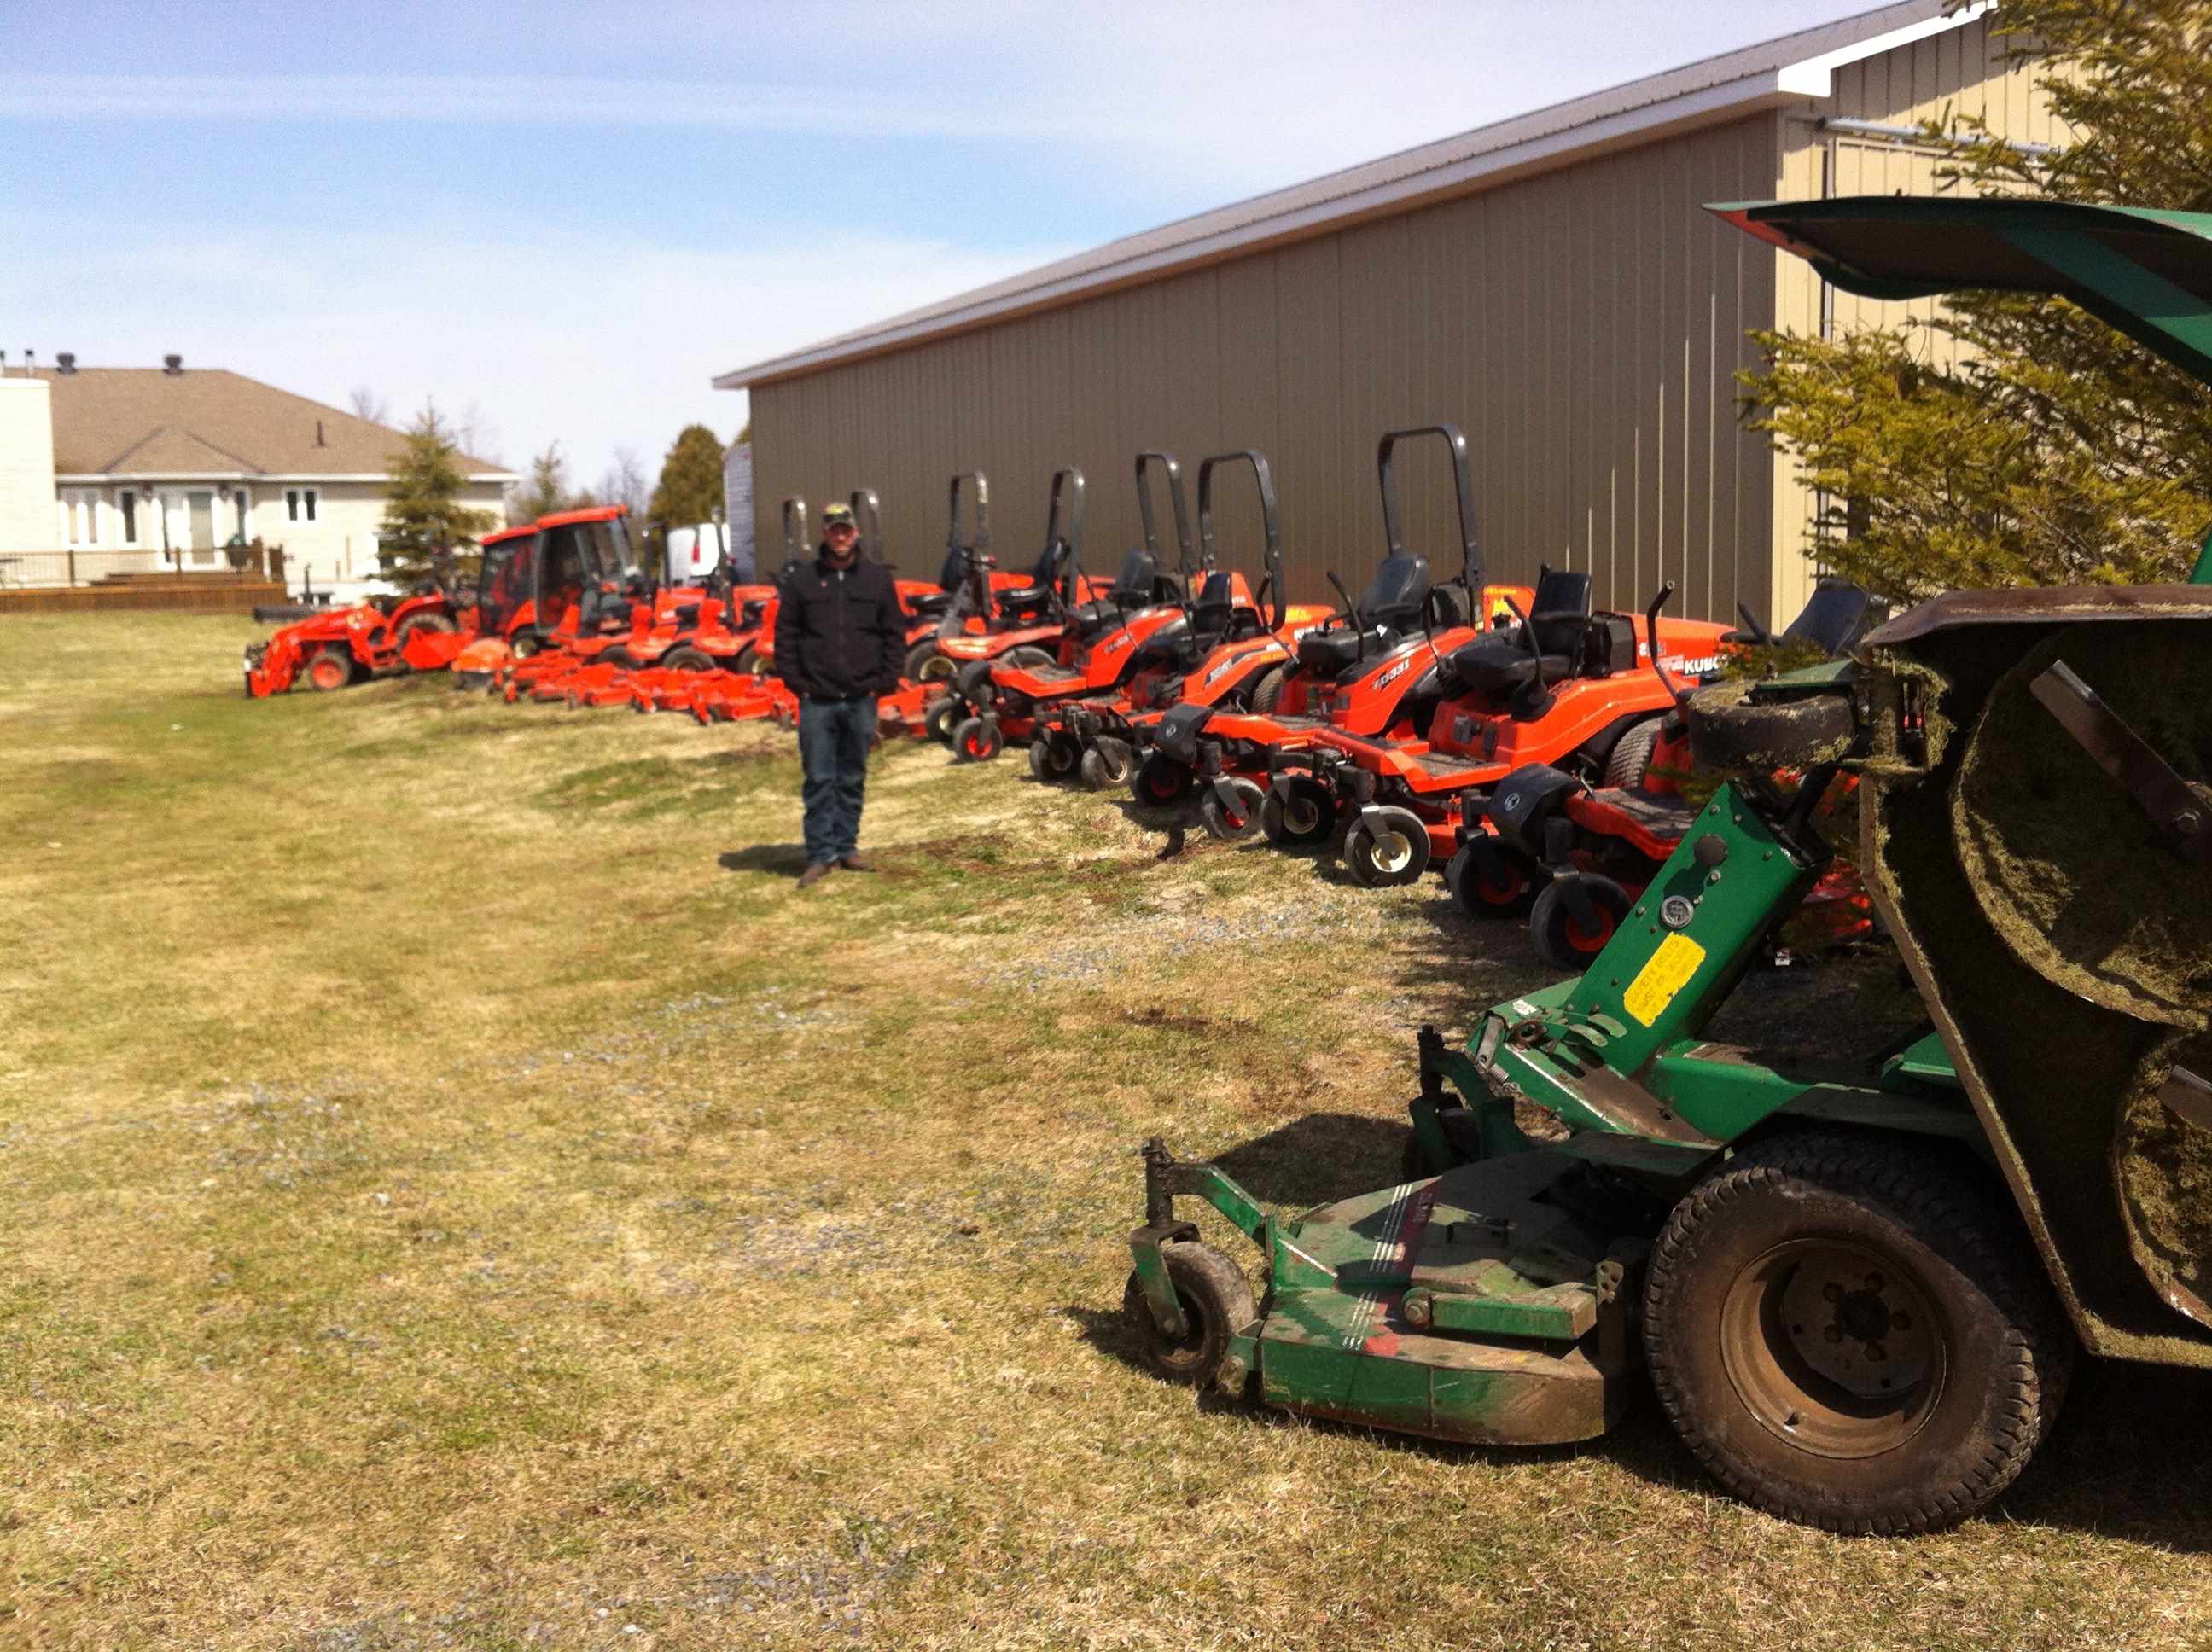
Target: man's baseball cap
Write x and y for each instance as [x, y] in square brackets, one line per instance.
[837, 516]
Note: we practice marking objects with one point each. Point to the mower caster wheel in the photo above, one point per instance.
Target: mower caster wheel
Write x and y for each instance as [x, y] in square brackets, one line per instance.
[1569, 938]
[1106, 764]
[1302, 816]
[1217, 1304]
[1230, 808]
[1162, 783]
[1491, 878]
[1854, 1334]
[924, 663]
[943, 716]
[977, 740]
[1055, 757]
[1387, 847]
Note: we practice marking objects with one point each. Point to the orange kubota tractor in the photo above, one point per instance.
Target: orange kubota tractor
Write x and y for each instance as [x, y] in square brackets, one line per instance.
[550, 587]
[422, 631]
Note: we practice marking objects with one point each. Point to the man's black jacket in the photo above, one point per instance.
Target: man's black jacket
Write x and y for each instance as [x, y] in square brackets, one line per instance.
[840, 633]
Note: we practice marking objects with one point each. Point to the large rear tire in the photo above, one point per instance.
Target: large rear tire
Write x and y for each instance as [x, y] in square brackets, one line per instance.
[1028, 659]
[1387, 848]
[1567, 939]
[1217, 1304]
[924, 663]
[1630, 755]
[687, 659]
[1268, 690]
[1854, 1334]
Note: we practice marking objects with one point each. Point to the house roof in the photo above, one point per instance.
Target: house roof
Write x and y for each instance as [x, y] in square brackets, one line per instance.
[1771, 75]
[148, 422]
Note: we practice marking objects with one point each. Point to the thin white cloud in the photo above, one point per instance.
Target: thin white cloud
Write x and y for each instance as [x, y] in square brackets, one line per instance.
[559, 336]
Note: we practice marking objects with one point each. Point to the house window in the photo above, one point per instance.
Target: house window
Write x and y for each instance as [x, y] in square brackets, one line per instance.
[300, 504]
[81, 516]
[127, 502]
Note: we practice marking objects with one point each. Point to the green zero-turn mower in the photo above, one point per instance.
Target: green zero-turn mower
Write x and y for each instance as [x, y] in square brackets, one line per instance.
[1858, 1292]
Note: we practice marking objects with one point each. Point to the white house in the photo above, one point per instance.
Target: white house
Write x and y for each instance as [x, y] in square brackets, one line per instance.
[159, 468]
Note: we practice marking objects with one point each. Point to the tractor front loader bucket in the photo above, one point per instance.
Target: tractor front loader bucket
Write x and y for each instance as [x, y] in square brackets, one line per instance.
[2036, 830]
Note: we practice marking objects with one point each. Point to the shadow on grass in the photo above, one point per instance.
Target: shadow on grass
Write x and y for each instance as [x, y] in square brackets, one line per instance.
[774, 859]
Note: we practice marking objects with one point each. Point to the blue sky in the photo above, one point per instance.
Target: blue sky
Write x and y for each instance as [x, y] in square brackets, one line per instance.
[563, 218]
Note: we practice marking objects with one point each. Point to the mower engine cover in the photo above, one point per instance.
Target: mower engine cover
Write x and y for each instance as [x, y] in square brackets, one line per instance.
[2038, 803]
[1178, 732]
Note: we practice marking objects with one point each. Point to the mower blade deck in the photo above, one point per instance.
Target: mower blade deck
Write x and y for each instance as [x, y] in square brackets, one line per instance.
[1468, 1308]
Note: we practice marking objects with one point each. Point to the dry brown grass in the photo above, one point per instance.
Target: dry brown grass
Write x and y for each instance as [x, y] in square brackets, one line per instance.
[456, 1193]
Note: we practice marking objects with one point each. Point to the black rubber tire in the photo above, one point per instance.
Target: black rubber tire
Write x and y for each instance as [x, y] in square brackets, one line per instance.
[944, 715]
[1105, 764]
[1306, 821]
[1387, 850]
[924, 663]
[1268, 690]
[687, 659]
[1217, 1301]
[1061, 760]
[1233, 820]
[1560, 937]
[1625, 764]
[1945, 1238]
[1161, 782]
[339, 673]
[977, 740]
[1028, 659]
[1491, 878]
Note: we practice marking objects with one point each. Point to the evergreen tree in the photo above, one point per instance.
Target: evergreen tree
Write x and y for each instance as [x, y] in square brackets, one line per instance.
[2049, 450]
[690, 486]
[422, 511]
[545, 489]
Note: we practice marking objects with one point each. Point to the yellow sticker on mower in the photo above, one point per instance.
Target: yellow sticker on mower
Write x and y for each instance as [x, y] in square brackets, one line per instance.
[1668, 973]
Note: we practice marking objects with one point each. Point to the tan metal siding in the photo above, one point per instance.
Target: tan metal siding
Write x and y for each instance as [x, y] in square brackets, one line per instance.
[1948, 77]
[1584, 327]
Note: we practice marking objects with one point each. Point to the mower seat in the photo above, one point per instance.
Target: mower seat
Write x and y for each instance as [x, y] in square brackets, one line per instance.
[1036, 595]
[1390, 606]
[686, 616]
[1212, 621]
[933, 604]
[1567, 643]
[1136, 586]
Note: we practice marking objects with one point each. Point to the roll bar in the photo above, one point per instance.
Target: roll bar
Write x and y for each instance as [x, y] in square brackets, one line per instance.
[1270, 518]
[981, 489]
[1393, 515]
[1067, 493]
[868, 518]
[1165, 461]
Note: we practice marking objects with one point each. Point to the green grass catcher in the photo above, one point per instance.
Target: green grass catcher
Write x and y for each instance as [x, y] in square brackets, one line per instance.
[1858, 1292]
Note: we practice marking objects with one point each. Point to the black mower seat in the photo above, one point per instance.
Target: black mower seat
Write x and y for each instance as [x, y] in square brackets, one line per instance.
[1391, 604]
[1496, 665]
[930, 605]
[1136, 586]
[1331, 654]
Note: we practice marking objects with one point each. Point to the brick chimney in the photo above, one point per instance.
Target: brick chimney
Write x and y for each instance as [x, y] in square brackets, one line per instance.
[173, 365]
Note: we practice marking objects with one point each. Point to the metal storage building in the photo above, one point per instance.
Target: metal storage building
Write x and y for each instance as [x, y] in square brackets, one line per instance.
[1549, 283]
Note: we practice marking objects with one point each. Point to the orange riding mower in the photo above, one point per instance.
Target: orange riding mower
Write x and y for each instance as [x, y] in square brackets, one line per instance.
[420, 632]
[1226, 649]
[1026, 624]
[1096, 647]
[1573, 858]
[1563, 686]
[1368, 667]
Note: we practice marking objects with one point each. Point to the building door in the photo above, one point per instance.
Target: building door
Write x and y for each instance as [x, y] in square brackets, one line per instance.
[200, 507]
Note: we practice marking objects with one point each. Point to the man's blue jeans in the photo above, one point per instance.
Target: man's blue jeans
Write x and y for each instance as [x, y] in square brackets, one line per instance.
[834, 737]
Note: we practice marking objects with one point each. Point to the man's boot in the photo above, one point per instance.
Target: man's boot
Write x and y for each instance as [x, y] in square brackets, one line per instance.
[855, 863]
[814, 873]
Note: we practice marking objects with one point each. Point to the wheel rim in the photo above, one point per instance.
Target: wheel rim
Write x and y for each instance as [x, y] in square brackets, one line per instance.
[1301, 816]
[935, 669]
[977, 745]
[1498, 886]
[1390, 851]
[1834, 1347]
[1590, 937]
[1163, 785]
[326, 673]
[1060, 758]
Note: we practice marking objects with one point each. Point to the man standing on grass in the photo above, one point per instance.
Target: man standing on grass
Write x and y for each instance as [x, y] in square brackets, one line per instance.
[839, 639]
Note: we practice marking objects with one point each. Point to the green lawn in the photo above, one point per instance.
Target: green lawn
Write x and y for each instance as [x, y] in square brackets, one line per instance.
[457, 1193]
